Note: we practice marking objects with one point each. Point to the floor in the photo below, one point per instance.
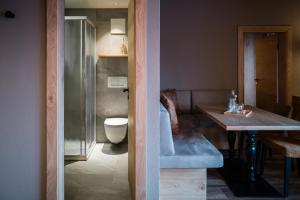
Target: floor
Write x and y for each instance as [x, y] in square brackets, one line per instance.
[103, 177]
[218, 190]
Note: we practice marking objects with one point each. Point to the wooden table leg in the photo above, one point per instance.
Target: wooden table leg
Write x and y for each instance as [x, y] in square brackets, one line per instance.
[241, 176]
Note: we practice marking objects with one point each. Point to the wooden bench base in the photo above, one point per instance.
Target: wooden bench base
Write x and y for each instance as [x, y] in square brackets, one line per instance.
[183, 184]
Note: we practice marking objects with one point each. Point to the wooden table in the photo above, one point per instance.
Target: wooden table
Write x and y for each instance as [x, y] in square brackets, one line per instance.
[241, 176]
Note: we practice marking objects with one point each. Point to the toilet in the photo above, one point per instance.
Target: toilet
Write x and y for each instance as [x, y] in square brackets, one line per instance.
[115, 129]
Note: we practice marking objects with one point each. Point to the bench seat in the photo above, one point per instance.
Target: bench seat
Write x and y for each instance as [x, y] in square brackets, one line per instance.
[184, 158]
[192, 150]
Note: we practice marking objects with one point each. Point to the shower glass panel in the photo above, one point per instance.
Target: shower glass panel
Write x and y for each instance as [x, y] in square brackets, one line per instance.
[79, 88]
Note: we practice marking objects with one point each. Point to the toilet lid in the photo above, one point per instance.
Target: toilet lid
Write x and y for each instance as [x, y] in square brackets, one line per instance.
[115, 121]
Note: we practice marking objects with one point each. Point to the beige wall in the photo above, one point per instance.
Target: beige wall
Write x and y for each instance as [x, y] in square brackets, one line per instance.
[22, 97]
[199, 39]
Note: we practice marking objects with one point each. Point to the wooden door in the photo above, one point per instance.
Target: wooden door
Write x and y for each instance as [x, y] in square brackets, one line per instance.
[137, 99]
[266, 49]
[285, 63]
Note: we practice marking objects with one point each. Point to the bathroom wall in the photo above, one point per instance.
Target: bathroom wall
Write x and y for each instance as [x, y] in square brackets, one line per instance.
[110, 102]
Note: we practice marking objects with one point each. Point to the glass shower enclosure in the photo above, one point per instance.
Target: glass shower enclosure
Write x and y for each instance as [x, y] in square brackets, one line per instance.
[79, 88]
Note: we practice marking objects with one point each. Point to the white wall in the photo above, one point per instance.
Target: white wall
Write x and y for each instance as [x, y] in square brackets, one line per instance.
[22, 97]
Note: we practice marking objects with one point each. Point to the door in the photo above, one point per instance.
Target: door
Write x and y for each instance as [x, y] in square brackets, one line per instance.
[137, 100]
[266, 50]
[247, 74]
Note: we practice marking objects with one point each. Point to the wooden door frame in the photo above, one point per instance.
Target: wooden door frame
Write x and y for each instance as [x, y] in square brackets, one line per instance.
[54, 99]
[263, 29]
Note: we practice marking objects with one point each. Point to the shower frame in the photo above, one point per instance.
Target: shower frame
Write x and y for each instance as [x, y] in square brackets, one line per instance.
[85, 151]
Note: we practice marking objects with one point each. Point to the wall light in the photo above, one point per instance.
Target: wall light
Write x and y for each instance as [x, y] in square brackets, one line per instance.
[117, 26]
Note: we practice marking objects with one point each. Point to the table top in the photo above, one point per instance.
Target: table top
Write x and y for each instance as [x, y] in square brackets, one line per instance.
[259, 120]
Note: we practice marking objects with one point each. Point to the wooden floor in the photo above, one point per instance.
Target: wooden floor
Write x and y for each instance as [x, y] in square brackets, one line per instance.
[218, 190]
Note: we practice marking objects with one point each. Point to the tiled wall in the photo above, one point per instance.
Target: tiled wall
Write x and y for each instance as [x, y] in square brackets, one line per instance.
[110, 102]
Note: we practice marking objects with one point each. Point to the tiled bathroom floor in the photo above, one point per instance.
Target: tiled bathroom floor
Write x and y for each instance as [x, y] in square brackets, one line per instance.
[103, 177]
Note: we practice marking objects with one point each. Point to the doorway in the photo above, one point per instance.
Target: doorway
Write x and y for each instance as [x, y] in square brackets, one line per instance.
[96, 101]
[265, 66]
[138, 84]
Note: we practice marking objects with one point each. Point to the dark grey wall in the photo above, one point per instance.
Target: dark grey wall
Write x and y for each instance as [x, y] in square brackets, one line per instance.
[22, 107]
[111, 102]
[199, 39]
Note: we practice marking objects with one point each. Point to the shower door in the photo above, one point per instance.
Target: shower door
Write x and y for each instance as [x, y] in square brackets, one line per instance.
[90, 83]
[79, 88]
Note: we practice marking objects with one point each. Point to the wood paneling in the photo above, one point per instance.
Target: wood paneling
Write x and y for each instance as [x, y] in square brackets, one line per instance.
[242, 30]
[178, 184]
[55, 16]
[137, 98]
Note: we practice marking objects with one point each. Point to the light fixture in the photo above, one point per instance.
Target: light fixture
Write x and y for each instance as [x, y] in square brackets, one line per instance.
[117, 26]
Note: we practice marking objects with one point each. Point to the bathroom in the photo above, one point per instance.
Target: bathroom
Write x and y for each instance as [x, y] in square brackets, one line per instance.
[96, 100]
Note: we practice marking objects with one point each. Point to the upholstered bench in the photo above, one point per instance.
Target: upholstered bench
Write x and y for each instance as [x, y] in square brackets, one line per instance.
[187, 102]
[184, 160]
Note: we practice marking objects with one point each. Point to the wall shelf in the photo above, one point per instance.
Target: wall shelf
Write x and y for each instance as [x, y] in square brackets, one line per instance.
[113, 55]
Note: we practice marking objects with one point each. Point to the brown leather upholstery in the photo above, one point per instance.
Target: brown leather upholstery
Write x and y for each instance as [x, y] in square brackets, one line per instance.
[172, 95]
[170, 106]
[289, 147]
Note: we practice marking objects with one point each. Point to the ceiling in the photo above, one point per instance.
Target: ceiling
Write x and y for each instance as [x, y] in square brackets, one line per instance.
[96, 3]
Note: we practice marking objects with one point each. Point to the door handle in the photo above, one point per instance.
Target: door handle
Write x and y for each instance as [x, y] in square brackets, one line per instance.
[257, 80]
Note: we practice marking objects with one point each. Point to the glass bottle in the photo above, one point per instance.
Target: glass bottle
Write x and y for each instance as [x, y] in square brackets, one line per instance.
[232, 103]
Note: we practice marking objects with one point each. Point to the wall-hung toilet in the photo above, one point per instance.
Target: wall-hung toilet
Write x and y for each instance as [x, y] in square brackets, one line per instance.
[115, 129]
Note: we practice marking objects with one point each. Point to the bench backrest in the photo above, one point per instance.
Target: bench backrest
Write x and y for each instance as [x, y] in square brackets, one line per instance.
[188, 99]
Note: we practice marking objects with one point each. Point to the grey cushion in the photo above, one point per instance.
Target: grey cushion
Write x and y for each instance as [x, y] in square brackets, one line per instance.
[192, 150]
[166, 138]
